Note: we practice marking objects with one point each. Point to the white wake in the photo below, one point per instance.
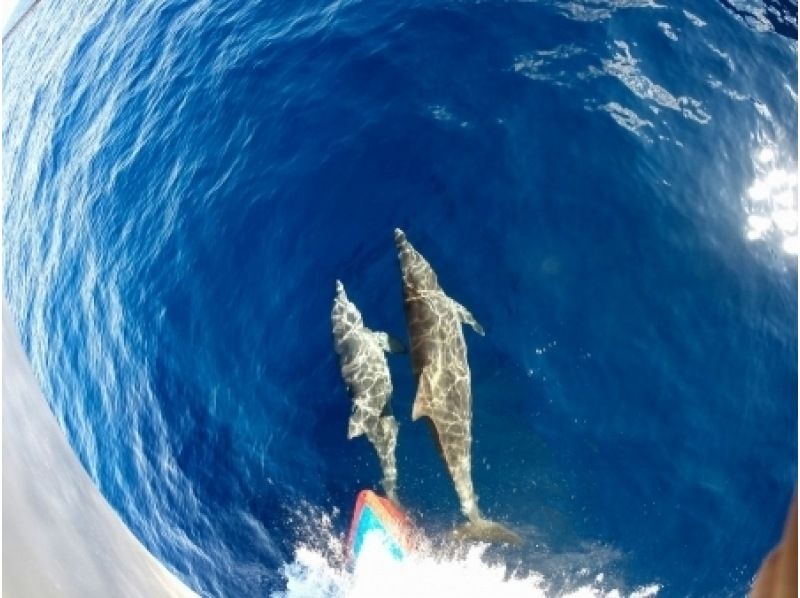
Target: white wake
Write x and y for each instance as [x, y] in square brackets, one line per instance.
[321, 571]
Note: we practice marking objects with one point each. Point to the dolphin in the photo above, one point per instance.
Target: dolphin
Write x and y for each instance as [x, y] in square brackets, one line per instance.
[366, 375]
[439, 359]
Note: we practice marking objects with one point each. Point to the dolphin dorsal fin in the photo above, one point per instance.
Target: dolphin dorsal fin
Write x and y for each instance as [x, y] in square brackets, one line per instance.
[422, 402]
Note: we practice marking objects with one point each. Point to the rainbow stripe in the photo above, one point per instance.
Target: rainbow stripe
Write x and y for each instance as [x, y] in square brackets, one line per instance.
[375, 514]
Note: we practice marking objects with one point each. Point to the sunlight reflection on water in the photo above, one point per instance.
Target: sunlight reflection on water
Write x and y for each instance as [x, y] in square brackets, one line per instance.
[771, 200]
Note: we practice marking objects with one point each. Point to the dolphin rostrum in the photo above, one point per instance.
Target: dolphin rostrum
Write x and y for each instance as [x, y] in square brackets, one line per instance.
[366, 374]
[439, 358]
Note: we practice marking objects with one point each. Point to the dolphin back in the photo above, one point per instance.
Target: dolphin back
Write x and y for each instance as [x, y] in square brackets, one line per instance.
[366, 374]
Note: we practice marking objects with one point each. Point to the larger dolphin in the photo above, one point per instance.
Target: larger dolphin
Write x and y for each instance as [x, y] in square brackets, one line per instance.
[366, 374]
[444, 395]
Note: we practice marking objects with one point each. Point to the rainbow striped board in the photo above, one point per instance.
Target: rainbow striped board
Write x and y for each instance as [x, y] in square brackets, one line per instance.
[377, 515]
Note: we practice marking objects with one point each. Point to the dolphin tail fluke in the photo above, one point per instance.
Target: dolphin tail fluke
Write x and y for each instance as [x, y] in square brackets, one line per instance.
[484, 530]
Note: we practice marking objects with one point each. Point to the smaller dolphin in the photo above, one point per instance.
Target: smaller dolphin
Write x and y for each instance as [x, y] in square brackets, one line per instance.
[366, 374]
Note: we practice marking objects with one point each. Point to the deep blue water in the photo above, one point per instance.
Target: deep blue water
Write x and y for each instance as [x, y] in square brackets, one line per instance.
[185, 181]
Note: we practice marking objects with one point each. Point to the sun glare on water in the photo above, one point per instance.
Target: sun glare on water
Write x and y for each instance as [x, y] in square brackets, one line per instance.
[771, 201]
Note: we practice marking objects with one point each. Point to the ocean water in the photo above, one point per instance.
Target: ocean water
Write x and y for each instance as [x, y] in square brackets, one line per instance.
[608, 185]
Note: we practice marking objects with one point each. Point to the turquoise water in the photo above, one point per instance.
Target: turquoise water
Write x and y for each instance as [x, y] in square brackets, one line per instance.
[370, 524]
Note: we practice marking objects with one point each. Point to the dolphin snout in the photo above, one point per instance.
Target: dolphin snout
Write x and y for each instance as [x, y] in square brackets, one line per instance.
[399, 237]
[339, 286]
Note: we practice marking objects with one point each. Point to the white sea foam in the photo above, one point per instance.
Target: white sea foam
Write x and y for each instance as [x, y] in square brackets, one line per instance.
[625, 67]
[548, 65]
[667, 30]
[599, 10]
[320, 571]
[752, 13]
[731, 93]
[628, 119]
[442, 113]
[694, 19]
[791, 92]
[722, 54]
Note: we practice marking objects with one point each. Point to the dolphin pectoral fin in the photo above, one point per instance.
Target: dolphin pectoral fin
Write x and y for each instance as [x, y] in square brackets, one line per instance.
[422, 402]
[467, 317]
[476, 326]
[389, 343]
[395, 346]
[354, 428]
[484, 530]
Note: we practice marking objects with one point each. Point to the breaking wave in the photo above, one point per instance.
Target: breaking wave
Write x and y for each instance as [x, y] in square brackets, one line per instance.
[321, 568]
